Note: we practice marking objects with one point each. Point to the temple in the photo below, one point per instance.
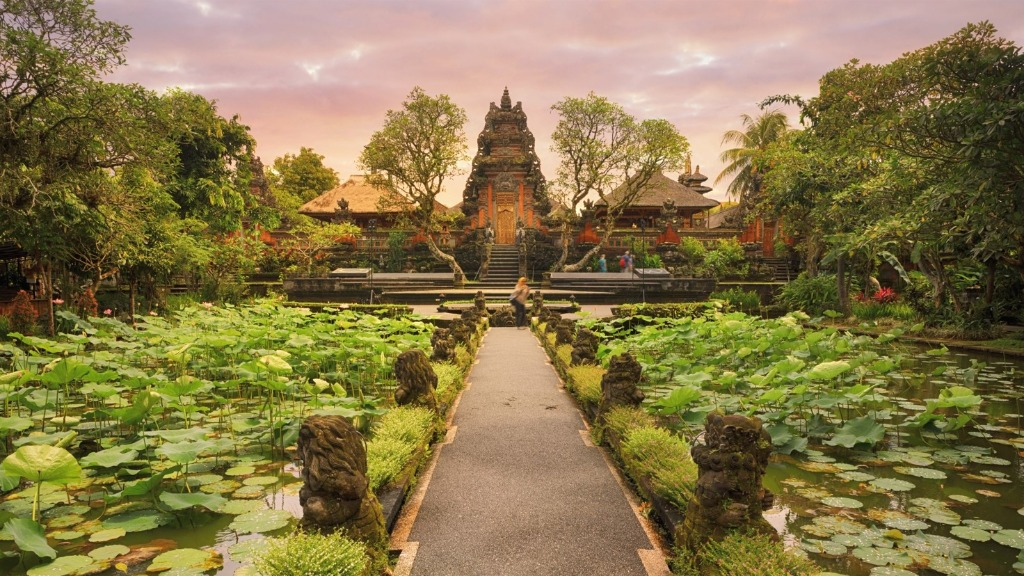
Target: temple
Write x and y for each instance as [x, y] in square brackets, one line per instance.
[505, 189]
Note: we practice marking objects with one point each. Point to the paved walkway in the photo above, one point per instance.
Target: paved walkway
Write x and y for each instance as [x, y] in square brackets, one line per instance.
[518, 489]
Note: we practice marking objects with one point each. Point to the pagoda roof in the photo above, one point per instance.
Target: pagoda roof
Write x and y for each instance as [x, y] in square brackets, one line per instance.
[660, 189]
[362, 198]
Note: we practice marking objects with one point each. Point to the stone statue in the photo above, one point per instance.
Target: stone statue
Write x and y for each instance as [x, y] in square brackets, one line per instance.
[619, 383]
[480, 302]
[731, 463]
[565, 329]
[538, 303]
[443, 344]
[462, 331]
[335, 493]
[416, 380]
[584, 348]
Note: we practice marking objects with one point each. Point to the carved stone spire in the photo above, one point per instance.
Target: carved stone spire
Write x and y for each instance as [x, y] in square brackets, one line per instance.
[506, 101]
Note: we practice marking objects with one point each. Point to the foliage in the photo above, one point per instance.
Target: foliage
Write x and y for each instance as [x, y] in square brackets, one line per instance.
[602, 150]
[22, 315]
[813, 295]
[449, 382]
[585, 382]
[676, 310]
[5, 325]
[739, 553]
[309, 244]
[657, 455]
[739, 299]
[727, 259]
[624, 419]
[745, 163]
[312, 554]
[298, 178]
[693, 250]
[419, 147]
[872, 311]
[386, 458]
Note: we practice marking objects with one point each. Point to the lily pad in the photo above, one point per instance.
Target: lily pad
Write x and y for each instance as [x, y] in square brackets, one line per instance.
[890, 571]
[138, 521]
[929, 473]
[963, 498]
[107, 535]
[66, 535]
[855, 476]
[236, 507]
[62, 566]
[953, 566]
[892, 485]
[246, 549]
[109, 552]
[907, 524]
[972, 534]
[186, 558]
[261, 521]
[1012, 538]
[883, 556]
[982, 524]
[261, 481]
[176, 501]
[840, 502]
[240, 471]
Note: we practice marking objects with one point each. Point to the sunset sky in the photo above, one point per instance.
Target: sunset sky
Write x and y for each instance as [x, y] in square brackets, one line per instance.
[323, 73]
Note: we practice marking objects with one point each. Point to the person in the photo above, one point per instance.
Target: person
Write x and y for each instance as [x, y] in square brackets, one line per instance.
[518, 301]
[626, 262]
[602, 264]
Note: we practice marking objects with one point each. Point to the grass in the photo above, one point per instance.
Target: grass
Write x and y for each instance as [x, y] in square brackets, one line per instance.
[309, 554]
[747, 554]
[585, 382]
[663, 458]
[396, 438]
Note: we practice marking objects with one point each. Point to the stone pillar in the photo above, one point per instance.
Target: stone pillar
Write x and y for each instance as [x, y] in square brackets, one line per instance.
[731, 462]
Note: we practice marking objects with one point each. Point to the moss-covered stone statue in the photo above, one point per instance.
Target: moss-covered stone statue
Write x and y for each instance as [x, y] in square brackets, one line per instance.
[584, 348]
[443, 345]
[480, 303]
[417, 380]
[619, 385]
[335, 494]
[731, 463]
[565, 330]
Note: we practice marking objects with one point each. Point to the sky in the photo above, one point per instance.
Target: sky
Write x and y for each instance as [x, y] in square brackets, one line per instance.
[322, 74]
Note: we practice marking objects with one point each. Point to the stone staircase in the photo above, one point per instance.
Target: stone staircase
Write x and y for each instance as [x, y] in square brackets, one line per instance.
[782, 268]
[503, 269]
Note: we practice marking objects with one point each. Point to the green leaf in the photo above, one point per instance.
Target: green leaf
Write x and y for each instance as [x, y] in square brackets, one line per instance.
[204, 560]
[109, 552]
[43, 464]
[276, 364]
[828, 370]
[63, 566]
[261, 521]
[137, 521]
[184, 501]
[29, 537]
[110, 457]
[862, 430]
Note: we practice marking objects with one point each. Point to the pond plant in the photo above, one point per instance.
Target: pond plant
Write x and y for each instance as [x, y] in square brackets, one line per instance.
[889, 458]
[186, 425]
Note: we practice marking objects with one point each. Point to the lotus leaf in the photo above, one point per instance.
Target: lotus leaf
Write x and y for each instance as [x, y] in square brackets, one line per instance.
[246, 549]
[890, 571]
[854, 476]
[66, 535]
[963, 498]
[240, 471]
[15, 424]
[953, 566]
[1012, 538]
[221, 487]
[928, 473]
[176, 501]
[823, 547]
[906, 524]
[186, 558]
[65, 520]
[828, 370]
[249, 492]
[857, 431]
[236, 507]
[183, 452]
[276, 364]
[840, 502]
[109, 458]
[261, 481]
[892, 484]
[62, 566]
[968, 533]
[106, 553]
[28, 536]
[137, 521]
[261, 521]
[989, 460]
[41, 463]
[883, 556]
[107, 535]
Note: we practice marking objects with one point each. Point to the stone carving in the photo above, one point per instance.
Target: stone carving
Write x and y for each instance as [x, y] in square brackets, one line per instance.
[564, 331]
[416, 380]
[462, 331]
[504, 317]
[551, 319]
[619, 383]
[538, 303]
[584, 348]
[443, 344]
[480, 302]
[335, 493]
[731, 463]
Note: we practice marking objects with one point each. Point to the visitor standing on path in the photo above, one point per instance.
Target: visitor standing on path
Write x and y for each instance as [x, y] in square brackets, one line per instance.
[518, 301]
[602, 264]
[626, 262]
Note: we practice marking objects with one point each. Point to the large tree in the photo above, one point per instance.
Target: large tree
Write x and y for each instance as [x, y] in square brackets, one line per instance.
[411, 157]
[602, 149]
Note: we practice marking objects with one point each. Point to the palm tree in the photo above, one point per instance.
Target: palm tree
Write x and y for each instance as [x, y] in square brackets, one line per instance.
[741, 162]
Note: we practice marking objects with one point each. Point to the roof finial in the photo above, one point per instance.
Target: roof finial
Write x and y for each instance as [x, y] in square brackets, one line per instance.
[506, 102]
[688, 171]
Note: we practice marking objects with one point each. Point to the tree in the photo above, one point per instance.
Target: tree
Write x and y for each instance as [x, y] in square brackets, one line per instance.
[743, 162]
[311, 240]
[601, 150]
[303, 175]
[418, 148]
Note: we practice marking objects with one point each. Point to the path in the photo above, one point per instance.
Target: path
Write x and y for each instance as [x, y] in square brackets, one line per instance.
[518, 489]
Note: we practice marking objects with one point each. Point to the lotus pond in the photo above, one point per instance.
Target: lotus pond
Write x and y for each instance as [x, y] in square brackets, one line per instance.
[891, 459]
[176, 432]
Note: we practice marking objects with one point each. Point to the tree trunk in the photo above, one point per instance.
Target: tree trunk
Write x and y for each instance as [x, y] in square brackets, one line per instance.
[48, 274]
[566, 238]
[131, 301]
[460, 276]
[841, 288]
[990, 282]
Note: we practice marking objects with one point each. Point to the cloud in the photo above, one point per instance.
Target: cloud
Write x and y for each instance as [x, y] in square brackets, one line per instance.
[322, 74]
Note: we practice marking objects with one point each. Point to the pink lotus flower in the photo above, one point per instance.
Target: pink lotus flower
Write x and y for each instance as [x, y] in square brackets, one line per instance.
[207, 305]
[58, 301]
[108, 312]
[152, 312]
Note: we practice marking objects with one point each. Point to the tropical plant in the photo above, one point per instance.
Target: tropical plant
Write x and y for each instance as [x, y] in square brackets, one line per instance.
[745, 162]
[312, 554]
[813, 295]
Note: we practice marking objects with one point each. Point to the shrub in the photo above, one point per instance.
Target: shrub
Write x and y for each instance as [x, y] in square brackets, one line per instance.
[692, 250]
[306, 554]
[412, 424]
[23, 314]
[739, 299]
[624, 419]
[585, 382]
[449, 381]
[86, 304]
[564, 354]
[5, 325]
[676, 310]
[727, 259]
[812, 295]
[885, 295]
[385, 459]
[748, 554]
[663, 458]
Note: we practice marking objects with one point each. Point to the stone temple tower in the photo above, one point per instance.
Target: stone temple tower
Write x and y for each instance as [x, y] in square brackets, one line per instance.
[505, 189]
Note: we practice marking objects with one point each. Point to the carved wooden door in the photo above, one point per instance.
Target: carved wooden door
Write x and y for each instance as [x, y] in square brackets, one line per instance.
[506, 233]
